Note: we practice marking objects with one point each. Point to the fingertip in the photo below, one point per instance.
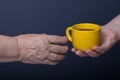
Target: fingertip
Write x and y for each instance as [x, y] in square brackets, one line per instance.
[91, 53]
[95, 47]
[73, 49]
[67, 48]
[79, 53]
[54, 63]
[66, 39]
[87, 51]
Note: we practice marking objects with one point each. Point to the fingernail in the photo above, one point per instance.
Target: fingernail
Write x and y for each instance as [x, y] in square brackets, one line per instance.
[73, 50]
[88, 51]
[78, 52]
[64, 37]
[95, 47]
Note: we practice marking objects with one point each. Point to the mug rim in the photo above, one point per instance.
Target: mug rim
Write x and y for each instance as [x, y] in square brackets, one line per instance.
[96, 25]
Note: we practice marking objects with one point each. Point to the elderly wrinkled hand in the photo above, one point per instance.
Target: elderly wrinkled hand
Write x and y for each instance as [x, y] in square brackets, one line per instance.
[41, 48]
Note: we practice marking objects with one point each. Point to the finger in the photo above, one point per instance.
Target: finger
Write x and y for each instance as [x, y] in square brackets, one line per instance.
[58, 49]
[57, 39]
[100, 49]
[36, 60]
[106, 44]
[81, 54]
[48, 62]
[55, 57]
[92, 53]
[28, 62]
[73, 50]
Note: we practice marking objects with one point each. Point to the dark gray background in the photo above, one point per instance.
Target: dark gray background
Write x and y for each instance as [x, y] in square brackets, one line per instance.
[53, 17]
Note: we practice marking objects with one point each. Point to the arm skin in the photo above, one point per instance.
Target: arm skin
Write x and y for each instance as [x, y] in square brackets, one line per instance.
[114, 25]
[8, 49]
[33, 48]
[110, 36]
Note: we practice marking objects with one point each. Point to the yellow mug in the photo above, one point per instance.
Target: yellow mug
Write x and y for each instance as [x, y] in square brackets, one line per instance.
[84, 36]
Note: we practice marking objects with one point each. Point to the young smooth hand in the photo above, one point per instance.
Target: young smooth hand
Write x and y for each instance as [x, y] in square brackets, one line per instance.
[108, 39]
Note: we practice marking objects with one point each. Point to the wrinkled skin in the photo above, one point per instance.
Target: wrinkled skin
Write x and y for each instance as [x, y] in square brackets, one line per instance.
[108, 39]
[41, 48]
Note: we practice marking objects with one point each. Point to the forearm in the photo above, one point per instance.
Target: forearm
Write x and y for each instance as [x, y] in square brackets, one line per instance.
[8, 49]
[114, 25]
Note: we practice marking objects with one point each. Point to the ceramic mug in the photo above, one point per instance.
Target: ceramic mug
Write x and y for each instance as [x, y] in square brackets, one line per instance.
[84, 36]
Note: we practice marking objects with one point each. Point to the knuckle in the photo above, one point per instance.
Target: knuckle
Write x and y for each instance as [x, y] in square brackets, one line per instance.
[61, 57]
[54, 57]
[63, 49]
[58, 49]
[66, 48]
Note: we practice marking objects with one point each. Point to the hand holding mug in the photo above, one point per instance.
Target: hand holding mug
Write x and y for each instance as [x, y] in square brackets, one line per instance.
[108, 39]
[84, 36]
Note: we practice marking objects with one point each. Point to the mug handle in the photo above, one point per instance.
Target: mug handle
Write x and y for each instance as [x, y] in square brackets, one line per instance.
[69, 36]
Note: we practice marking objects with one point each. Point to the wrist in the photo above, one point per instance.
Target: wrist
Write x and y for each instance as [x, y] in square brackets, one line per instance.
[16, 58]
[114, 25]
[8, 48]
